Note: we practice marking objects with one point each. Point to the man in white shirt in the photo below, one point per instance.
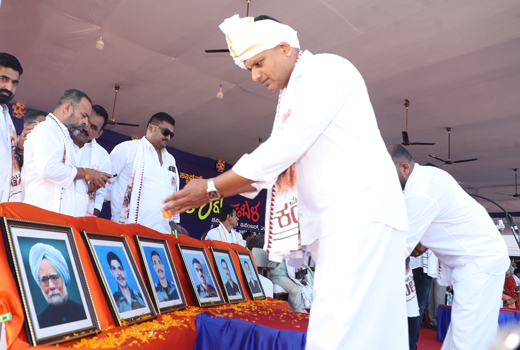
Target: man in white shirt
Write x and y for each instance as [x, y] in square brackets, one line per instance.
[49, 167]
[225, 231]
[30, 120]
[146, 173]
[89, 154]
[473, 256]
[323, 116]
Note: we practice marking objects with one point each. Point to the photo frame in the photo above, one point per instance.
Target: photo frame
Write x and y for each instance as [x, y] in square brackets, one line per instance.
[202, 278]
[228, 275]
[161, 274]
[55, 295]
[119, 276]
[251, 275]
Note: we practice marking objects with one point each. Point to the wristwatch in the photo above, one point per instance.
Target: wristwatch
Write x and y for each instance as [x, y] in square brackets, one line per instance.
[212, 191]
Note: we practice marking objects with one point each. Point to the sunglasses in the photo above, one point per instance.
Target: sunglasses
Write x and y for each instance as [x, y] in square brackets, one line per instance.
[165, 131]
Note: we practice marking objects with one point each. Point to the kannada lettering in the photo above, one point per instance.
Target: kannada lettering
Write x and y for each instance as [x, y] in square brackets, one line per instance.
[243, 210]
[189, 177]
[287, 215]
[249, 212]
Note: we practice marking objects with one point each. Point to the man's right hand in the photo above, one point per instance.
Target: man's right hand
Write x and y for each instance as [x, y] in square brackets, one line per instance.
[98, 178]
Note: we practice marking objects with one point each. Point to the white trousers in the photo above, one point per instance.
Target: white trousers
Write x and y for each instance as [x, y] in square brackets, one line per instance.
[358, 288]
[474, 314]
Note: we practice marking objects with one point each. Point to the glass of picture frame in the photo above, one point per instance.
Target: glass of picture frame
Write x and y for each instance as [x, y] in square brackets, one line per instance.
[228, 275]
[202, 278]
[253, 281]
[161, 274]
[51, 281]
[122, 284]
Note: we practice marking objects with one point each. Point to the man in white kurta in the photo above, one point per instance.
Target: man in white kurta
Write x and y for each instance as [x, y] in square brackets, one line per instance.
[89, 154]
[49, 167]
[146, 173]
[225, 231]
[10, 179]
[472, 254]
[350, 209]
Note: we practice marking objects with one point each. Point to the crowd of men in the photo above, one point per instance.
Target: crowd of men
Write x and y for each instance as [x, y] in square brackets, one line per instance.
[323, 115]
[57, 164]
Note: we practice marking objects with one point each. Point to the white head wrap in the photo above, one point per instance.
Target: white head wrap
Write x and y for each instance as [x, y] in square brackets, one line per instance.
[40, 251]
[247, 38]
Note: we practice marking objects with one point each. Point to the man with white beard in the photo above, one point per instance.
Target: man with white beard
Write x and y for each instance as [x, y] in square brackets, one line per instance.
[50, 271]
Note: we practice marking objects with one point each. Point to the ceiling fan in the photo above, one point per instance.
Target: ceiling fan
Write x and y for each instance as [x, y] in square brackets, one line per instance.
[449, 160]
[516, 191]
[227, 50]
[406, 139]
[113, 120]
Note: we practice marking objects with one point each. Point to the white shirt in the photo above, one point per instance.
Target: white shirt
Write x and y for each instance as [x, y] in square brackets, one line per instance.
[86, 156]
[455, 227]
[517, 280]
[5, 151]
[159, 182]
[220, 233]
[344, 172]
[46, 177]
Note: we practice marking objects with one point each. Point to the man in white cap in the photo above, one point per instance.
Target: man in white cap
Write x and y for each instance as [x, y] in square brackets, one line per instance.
[50, 272]
[357, 219]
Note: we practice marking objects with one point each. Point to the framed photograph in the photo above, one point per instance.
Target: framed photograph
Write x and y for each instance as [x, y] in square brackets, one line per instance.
[119, 276]
[54, 291]
[253, 281]
[228, 275]
[202, 277]
[161, 274]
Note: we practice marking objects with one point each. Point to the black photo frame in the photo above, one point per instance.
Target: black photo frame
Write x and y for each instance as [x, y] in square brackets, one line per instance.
[227, 271]
[55, 295]
[250, 273]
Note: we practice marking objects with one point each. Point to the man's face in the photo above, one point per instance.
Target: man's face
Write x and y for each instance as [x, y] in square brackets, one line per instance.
[119, 273]
[248, 270]
[271, 68]
[77, 119]
[233, 219]
[155, 134]
[51, 283]
[93, 130]
[158, 266]
[9, 79]
[226, 270]
[200, 273]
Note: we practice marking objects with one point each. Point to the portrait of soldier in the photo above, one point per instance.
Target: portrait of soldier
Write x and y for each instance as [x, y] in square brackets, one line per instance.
[126, 298]
[255, 286]
[50, 271]
[231, 287]
[165, 289]
[203, 289]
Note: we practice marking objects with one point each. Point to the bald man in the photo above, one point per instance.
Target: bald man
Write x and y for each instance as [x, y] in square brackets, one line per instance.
[50, 272]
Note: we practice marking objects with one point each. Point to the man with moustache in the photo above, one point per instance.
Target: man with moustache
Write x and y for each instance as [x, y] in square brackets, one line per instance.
[203, 289]
[254, 285]
[231, 287]
[50, 272]
[126, 298]
[10, 155]
[146, 173]
[89, 154]
[165, 289]
[225, 231]
[49, 163]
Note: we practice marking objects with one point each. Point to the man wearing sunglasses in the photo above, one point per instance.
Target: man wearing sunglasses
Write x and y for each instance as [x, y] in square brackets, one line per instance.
[146, 172]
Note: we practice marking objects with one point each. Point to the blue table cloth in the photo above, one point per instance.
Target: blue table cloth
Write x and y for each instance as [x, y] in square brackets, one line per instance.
[225, 333]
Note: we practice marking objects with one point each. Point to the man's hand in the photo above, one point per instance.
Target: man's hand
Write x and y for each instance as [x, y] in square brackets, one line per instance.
[26, 131]
[92, 187]
[191, 196]
[419, 249]
[97, 178]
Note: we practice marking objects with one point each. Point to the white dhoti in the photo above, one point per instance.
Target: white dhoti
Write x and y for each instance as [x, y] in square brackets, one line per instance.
[358, 288]
[474, 314]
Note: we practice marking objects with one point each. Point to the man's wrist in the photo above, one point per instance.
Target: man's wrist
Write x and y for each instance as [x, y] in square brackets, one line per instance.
[211, 191]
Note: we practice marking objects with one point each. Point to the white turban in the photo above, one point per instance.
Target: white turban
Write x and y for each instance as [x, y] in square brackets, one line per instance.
[247, 38]
[40, 251]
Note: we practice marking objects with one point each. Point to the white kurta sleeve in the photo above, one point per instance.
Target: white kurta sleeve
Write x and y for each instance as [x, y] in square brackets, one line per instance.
[48, 155]
[104, 166]
[321, 92]
[421, 213]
